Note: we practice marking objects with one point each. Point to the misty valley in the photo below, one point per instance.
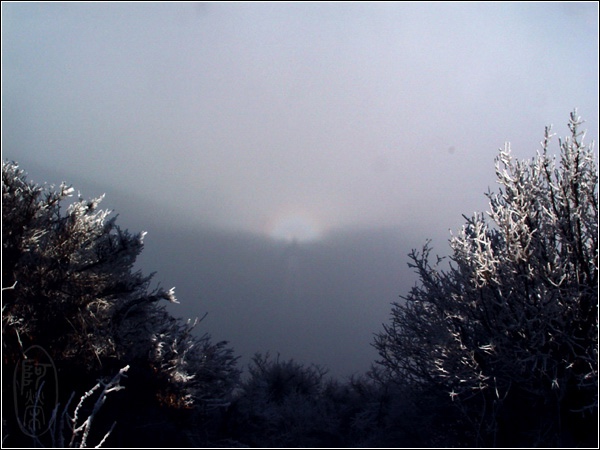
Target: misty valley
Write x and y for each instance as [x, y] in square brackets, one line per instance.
[492, 334]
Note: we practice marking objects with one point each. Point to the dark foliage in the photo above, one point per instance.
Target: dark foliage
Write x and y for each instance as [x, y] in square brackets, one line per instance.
[69, 286]
[509, 331]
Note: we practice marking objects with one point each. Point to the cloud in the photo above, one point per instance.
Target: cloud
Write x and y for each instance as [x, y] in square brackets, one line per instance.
[244, 108]
[354, 116]
[317, 302]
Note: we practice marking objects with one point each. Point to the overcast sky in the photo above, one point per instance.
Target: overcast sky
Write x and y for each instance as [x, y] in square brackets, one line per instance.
[292, 120]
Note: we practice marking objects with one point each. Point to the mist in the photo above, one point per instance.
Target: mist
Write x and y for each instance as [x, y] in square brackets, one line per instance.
[285, 158]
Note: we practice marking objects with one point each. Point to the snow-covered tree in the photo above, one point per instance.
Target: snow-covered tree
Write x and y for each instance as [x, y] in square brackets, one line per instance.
[509, 329]
[69, 285]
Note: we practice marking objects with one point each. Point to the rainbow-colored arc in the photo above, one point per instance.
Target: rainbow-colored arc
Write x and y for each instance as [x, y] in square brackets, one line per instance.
[293, 223]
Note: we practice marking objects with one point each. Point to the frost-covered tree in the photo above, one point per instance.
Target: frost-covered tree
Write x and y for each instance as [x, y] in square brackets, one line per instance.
[509, 329]
[69, 285]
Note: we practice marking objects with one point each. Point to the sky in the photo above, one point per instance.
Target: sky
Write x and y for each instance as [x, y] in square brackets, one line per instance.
[285, 157]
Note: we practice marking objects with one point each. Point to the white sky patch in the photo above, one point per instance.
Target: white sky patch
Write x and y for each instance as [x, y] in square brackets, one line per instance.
[226, 111]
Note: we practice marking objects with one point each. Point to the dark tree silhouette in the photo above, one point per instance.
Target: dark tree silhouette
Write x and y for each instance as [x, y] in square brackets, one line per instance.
[69, 286]
[509, 329]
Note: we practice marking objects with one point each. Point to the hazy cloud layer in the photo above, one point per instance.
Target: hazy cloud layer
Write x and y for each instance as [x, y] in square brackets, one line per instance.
[317, 303]
[280, 120]
[358, 112]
